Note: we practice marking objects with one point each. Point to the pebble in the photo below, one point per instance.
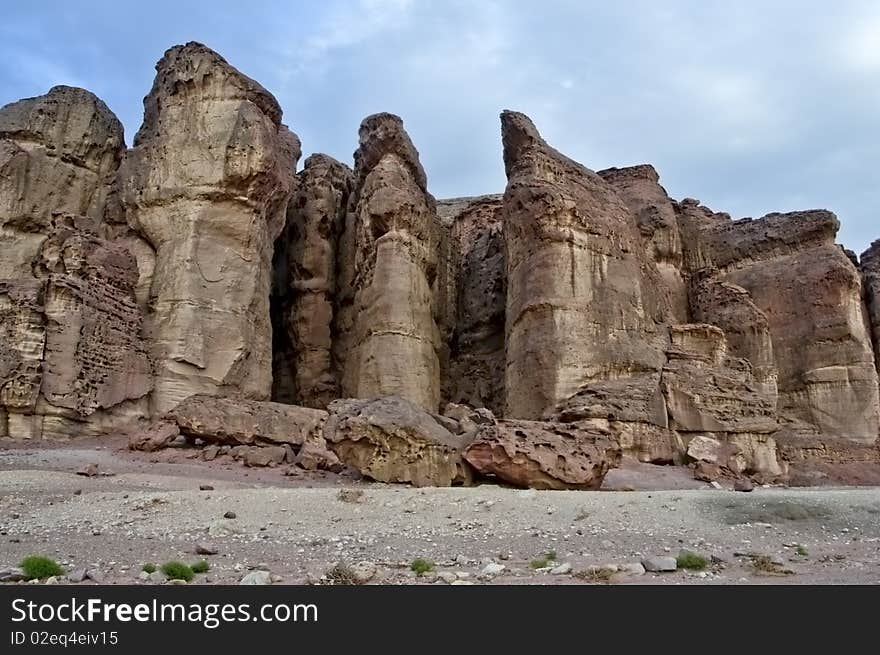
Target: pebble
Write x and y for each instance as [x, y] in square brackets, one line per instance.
[633, 568]
[562, 569]
[462, 582]
[257, 578]
[660, 564]
[447, 576]
[229, 515]
[492, 569]
[744, 485]
[206, 548]
[363, 572]
[206, 487]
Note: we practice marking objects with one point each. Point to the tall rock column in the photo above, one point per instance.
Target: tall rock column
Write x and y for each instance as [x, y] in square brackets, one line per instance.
[582, 300]
[389, 341]
[306, 283]
[207, 184]
[870, 268]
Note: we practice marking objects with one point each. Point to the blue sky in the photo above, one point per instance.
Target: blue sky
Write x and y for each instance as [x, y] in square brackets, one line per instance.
[750, 106]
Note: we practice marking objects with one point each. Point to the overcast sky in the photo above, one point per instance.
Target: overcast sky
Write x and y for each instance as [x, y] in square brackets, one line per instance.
[750, 106]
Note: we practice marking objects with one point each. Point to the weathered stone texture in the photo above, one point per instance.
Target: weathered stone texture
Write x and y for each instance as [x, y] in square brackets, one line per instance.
[583, 303]
[544, 455]
[394, 440]
[476, 369]
[390, 341]
[305, 269]
[206, 184]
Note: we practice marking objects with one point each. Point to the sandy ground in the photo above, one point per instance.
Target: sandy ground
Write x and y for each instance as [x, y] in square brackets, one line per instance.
[150, 509]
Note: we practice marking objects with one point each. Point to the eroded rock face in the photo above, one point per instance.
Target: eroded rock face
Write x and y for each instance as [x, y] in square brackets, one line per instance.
[206, 185]
[639, 187]
[476, 369]
[544, 455]
[389, 341]
[583, 304]
[810, 293]
[237, 421]
[394, 440]
[58, 155]
[305, 271]
[870, 268]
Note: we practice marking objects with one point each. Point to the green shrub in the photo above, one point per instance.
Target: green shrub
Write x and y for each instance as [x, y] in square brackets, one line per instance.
[803, 552]
[201, 566]
[177, 571]
[540, 563]
[421, 566]
[149, 567]
[688, 560]
[38, 567]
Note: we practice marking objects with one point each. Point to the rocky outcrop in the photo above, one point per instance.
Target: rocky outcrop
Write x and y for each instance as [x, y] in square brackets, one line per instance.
[305, 286]
[544, 455]
[811, 295]
[583, 304]
[73, 360]
[395, 440]
[476, 369]
[206, 185]
[246, 422]
[389, 341]
[870, 269]
[639, 187]
[58, 155]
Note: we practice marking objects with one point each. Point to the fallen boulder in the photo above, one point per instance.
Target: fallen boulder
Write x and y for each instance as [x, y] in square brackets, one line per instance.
[246, 422]
[544, 455]
[394, 440]
[157, 436]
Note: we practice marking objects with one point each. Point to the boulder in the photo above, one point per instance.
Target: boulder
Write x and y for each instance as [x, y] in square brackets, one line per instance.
[155, 437]
[394, 440]
[314, 455]
[544, 455]
[246, 422]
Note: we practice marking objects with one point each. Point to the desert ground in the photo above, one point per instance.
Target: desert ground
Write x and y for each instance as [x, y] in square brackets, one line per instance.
[142, 508]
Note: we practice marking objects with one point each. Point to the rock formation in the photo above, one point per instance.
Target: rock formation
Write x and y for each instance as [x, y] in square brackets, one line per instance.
[175, 288]
[582, 307]
[305, 269]
[73, 360]
[389, 339]
[206, 186]
[476, 368]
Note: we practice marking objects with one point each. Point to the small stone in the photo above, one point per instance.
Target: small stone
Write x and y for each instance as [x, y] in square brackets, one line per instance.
[206, 487]
[274, 577]
[229, 515]
[632, 568]
[462, 582]
[143, 575]
[51, 580]
[492, 569]
[257, 578]
[716, 485]
[16, 515]
[78, 492]
[743, 484]
[95, 576]
[89, 471]
[206, 548]
[12, 574]
[562, 569]
[461, 560]
[660, 564]
[447, 576]
[157, 576]
[177, 582]
[363, 572]
[77, 575]
[210, 453]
